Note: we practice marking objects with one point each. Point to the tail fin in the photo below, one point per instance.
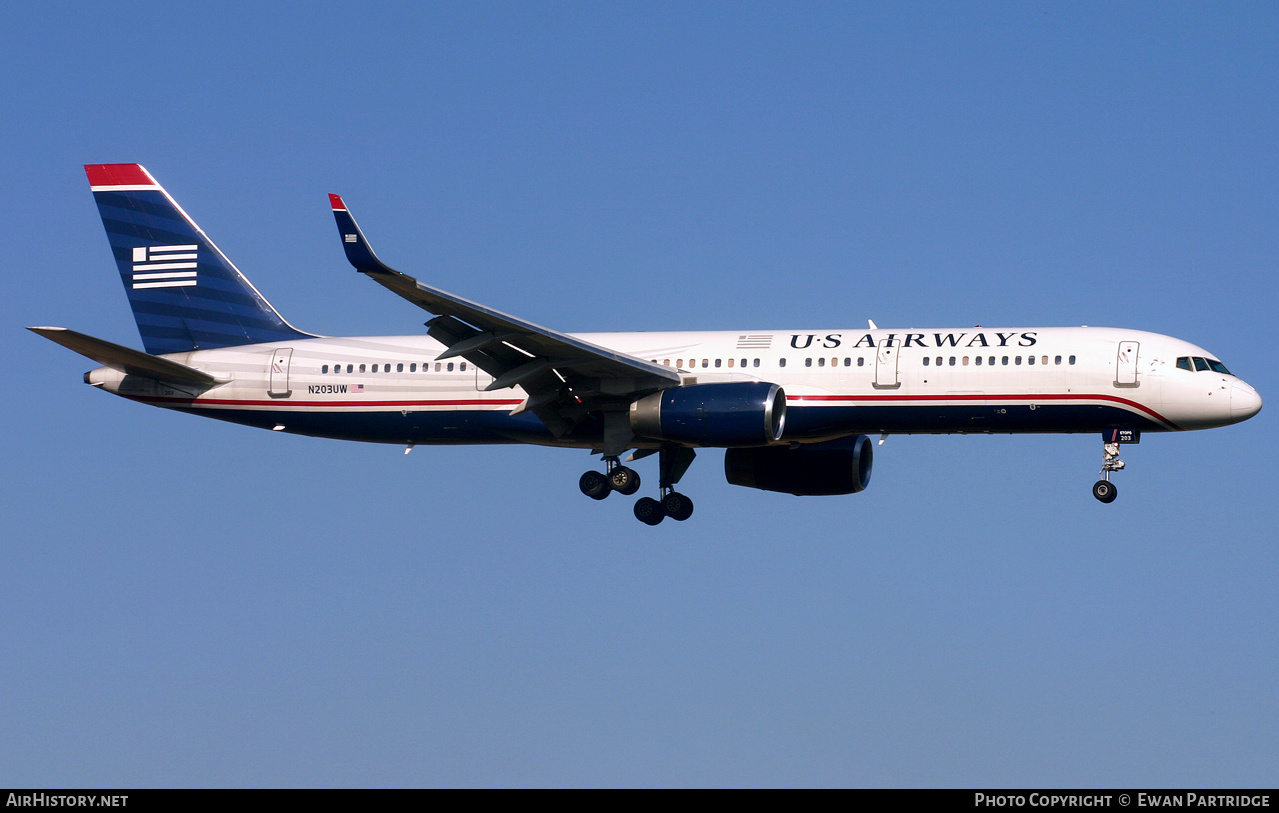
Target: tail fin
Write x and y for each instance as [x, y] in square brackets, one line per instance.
[186, 295]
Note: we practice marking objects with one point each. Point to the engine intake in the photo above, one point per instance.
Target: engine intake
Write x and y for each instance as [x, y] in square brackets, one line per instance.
[836, 467]
[736, 413]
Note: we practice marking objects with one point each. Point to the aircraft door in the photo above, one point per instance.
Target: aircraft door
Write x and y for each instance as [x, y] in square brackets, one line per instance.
[886, 365]
[278, 375]
[1126, 365]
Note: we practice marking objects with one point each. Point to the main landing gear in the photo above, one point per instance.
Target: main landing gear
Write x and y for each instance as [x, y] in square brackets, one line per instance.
[617, 478]
[673, 461]
[1103, 489]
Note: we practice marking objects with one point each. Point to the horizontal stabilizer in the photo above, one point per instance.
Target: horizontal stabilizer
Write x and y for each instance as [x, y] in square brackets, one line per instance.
[125, 359]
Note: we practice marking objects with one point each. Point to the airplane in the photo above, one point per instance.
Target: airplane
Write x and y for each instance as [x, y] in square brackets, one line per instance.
[793, 409]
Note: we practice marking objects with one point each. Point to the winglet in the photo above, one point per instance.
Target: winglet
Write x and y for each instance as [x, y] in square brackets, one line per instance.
[358, 251]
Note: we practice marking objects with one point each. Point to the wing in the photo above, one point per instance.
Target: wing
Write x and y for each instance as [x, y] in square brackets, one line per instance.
[565, 378]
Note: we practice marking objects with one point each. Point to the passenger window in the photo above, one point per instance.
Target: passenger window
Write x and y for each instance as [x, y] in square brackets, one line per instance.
[349, 368]
[756, 362]
[413, 367]
[324, 369]
[925, 361]
[717, 362]
[939, 361]
[781, 362]
[1017, 360]
[808, 362]
[1072, 359]
[463, 367]
[666, 362]
[848, 362]
[706, 363]
[361, 368]
[1200, 365]
[1029, 359]
[977, 361]
[821, 362]
[1005, 361]
[1057, 360]
[952, 361]
[730, 362]
[450, 367]
[992, 361]
[965, 361]
[861, 362]
[1044, 360]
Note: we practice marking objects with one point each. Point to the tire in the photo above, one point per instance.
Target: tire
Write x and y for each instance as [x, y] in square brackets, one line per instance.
[649, 511]
[1105, 491]
[594, 485]
[624, 480]
[677, 506]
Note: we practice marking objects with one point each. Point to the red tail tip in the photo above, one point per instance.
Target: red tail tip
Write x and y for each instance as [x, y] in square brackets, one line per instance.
[118, 175]
[336, 202]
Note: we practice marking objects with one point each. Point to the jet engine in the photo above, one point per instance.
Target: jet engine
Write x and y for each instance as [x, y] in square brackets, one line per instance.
[735, 413]
[821, 469]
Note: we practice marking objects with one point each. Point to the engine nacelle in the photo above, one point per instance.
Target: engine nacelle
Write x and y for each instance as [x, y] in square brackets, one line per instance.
[735, 413]
[835, 467]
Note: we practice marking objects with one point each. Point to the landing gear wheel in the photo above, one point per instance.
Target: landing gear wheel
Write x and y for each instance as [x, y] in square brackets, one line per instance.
[1105, 491]
[594, 485]
[624, 480]
[677, 506]
[649, 511]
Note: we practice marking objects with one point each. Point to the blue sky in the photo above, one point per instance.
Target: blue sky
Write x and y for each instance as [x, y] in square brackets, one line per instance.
[189, 603]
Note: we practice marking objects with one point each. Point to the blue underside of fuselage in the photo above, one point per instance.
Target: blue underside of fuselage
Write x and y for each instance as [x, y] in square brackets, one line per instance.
[815, 423]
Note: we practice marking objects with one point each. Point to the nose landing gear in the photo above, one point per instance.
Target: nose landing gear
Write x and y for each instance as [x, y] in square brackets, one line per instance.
[1103, 489]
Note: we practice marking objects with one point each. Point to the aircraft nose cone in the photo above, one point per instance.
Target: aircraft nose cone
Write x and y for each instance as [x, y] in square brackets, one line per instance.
[1244, 402]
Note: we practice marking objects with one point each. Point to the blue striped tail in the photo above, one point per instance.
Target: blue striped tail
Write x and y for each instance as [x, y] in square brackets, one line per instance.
[185, 293]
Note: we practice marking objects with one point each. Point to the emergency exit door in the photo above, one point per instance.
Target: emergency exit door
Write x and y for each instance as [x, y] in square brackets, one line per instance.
[1126, 365]
[278, 377]
[886, 366]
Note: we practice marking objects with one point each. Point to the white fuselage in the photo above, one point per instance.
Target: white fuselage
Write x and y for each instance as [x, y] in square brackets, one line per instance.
[837, 382]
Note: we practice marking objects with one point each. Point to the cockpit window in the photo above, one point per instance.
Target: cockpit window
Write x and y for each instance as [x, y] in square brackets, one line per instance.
[1218, 367]
[1201, 365]
[1183, 363]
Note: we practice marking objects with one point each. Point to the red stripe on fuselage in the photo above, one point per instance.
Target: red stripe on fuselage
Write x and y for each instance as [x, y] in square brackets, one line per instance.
[214, 402]
[797, 399]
